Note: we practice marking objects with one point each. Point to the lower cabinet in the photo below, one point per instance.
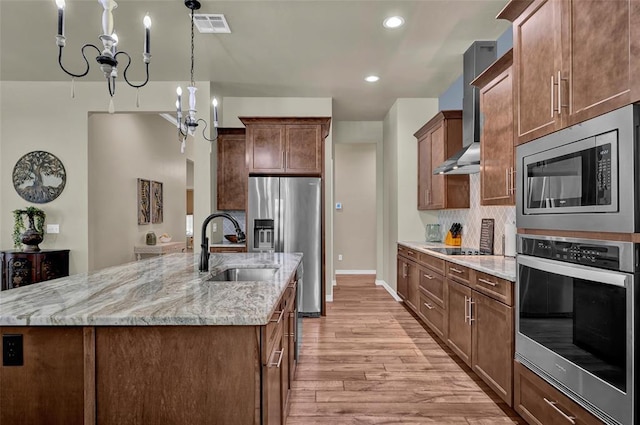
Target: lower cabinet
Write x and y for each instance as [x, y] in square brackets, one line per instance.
[492, 343]
[459, 321]
[539, 403]
[471, 311]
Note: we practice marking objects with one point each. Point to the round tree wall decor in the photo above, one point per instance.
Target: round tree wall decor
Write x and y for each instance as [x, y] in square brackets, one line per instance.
[39, 177]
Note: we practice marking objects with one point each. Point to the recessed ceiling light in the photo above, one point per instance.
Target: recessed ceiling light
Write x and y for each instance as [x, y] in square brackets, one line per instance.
[372, 78]
[393, 22]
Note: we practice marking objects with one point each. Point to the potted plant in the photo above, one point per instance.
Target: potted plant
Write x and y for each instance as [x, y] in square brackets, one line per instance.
[32, 235]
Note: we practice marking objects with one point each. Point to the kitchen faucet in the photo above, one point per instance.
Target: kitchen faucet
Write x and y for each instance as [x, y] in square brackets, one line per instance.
[204, 255]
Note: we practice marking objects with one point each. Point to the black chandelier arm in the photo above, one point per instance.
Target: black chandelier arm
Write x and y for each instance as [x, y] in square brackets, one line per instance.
[205, 129]
[124, 74]
[84, 56]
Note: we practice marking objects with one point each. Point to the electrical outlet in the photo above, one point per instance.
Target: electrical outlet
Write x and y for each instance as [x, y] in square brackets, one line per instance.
[339, 257]
[214, 227]
[12, 350]
[53, 228]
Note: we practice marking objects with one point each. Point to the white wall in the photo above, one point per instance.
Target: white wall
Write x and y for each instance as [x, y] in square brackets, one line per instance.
[123, 148]
[234, 107]
[402, 220]
[43, 116]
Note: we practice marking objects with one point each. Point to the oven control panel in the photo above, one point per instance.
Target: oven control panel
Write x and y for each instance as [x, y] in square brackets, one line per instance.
[588, 254]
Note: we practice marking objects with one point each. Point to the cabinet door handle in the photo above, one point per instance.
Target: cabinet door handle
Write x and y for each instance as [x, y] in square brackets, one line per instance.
[513, 180]
[466, 304]
[559, 94]
[453, 269]
[279, 317]
[564, 415]
[471, 303]
[506, 180]
[552, 97]
[428, 276]
[411, 253]
[488, 282]
[429, 306]
[277, 364]
[426, 196]
[284, 159]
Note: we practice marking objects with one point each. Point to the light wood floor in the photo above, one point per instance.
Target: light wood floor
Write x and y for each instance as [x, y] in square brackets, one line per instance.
[369, 361]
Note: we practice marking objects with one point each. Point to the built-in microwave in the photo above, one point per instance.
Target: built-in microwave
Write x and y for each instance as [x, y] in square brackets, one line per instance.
[581, 178]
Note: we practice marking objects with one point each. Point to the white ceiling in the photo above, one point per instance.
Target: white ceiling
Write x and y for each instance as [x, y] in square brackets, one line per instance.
[298, 48]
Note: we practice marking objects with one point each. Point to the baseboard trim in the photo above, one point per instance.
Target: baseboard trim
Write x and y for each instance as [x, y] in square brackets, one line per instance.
[386, 286]
[355, 272]
[329, 298]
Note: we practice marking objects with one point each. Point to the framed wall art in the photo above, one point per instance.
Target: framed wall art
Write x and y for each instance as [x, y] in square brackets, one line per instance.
[144, 201]
[39, 177]
[156, 202]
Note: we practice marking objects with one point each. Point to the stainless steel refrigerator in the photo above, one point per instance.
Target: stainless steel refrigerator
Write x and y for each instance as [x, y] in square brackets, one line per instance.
[284, 215]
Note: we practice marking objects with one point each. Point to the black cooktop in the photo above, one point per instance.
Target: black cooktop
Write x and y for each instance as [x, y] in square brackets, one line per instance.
[458, 251]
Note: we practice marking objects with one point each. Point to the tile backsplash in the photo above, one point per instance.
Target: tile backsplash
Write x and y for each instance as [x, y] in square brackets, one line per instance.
[471, 218]
[227, 226]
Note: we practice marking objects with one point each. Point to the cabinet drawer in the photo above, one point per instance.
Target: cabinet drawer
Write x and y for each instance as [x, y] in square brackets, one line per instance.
[540, 403]
[272, 330]
[494, 287]
[433, 284]
[434, 263]
[458, 273]
[432, 314]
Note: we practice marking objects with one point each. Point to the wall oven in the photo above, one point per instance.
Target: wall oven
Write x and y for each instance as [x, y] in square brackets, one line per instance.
[587, 172]
[576, 320]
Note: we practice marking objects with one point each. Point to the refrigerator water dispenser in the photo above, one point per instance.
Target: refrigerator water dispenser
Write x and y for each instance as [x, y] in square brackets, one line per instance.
[263, 236]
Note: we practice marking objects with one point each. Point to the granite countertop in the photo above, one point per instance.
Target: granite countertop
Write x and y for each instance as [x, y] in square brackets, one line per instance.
[497, 265]
[166, 290]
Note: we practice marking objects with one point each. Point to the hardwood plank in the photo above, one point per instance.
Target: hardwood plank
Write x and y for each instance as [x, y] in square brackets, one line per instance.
[369, 361]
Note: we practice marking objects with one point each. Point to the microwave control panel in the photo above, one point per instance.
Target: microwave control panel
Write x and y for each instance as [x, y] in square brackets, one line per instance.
[603, 174]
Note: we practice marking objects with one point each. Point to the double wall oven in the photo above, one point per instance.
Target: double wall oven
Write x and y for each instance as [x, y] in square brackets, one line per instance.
[577, 301]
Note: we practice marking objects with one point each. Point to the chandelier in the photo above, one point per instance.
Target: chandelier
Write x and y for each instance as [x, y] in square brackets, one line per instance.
[107, 58]
[190, 120]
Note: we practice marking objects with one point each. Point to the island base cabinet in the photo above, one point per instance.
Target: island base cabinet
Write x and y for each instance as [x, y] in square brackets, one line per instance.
[178, 375]
[54, 385]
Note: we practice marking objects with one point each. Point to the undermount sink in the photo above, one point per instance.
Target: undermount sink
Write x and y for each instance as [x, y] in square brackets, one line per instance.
[243, 274]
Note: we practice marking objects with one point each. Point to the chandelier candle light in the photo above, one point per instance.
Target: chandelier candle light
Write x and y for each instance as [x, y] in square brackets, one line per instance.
[190, 121]
[107, 58]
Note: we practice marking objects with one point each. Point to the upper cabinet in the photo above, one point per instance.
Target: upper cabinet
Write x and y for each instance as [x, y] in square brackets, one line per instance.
[572, 62]
[286, 145]
[497, 182]
[232, 169]
[438, 139]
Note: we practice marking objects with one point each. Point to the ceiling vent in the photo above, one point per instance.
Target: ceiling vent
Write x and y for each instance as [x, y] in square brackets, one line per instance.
[211, 23]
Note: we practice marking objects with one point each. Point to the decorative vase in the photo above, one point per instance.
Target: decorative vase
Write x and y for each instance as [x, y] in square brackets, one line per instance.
[31, 237]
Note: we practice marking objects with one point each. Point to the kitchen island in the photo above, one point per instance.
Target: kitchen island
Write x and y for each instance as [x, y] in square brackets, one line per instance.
[153, 341]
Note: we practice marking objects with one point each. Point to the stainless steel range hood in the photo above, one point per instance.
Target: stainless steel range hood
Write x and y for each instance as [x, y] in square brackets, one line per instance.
[476, 59]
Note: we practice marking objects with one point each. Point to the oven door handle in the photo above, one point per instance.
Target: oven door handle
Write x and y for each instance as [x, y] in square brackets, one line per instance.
[577, 271]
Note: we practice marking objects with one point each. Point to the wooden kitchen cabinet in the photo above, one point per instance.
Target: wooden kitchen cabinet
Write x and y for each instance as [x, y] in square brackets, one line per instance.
[540, 403]
[458, 320]
[232, 169]
[286, 145]
[20, 268]
[438, 139]
[497, 182]
[493, 345]
[408, 278]
[572, 62]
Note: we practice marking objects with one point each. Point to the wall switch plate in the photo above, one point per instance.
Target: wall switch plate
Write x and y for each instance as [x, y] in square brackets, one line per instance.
[12, 350]
[214, 227]
[340, 257]
[53, 228]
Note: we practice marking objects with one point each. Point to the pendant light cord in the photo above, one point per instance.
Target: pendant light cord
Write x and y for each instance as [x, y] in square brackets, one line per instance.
[193, 84]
